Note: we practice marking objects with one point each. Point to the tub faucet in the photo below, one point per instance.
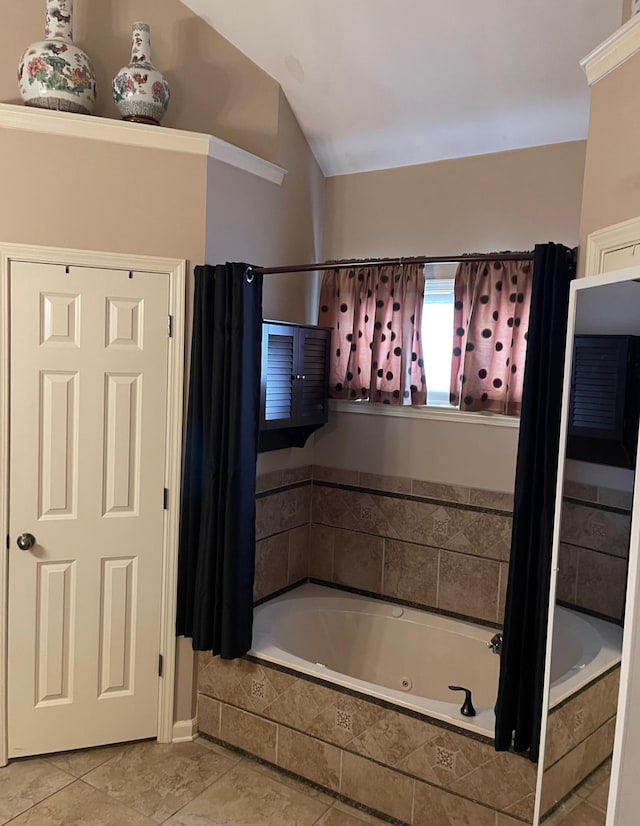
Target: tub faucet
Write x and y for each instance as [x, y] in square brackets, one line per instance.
[495, 644]
[467, 709]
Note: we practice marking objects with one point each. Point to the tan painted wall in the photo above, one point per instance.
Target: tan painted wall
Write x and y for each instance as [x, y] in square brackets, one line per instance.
[70, 193]
[267, 225]
[215, 88]
[177, 200]
[67, 192]
[509, 200]
[455, 453]
[612, 169]
[261, 223]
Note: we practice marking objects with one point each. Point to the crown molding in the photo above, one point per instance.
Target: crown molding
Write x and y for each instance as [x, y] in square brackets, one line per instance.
[613, 52]
[86, 127]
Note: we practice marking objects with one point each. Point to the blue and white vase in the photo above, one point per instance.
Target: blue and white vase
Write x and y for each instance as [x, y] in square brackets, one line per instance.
[140, 91]
[54, 73]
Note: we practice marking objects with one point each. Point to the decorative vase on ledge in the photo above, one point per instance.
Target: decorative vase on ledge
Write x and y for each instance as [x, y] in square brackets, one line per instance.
[139, 89]
[54, 73]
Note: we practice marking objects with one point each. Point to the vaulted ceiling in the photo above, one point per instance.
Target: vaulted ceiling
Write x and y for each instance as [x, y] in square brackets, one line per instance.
[384, 83]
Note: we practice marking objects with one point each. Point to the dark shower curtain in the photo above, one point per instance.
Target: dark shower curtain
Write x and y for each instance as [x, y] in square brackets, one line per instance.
[217, 530]
[519, 706]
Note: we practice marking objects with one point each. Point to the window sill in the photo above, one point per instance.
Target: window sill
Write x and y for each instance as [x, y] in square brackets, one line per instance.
[433, 413]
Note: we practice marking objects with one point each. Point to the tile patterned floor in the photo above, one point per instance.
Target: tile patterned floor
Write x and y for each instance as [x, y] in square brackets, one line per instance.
[141, 784]
[588, 806]
[197, 784]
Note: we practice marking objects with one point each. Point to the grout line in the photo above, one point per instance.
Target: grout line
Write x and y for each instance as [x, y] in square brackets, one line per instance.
[438, 579]
[413, 802]
[202, 791]
[384, 560]
[289, 557]
[577, 576]
[332, 554]
[47, 797]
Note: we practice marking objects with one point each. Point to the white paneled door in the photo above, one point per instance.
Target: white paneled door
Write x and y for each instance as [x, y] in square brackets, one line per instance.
[88, 390]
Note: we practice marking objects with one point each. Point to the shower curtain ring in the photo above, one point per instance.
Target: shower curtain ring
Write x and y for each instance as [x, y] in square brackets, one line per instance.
[249, 275]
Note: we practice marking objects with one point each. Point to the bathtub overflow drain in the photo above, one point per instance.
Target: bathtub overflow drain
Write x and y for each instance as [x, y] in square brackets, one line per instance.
[406, 684]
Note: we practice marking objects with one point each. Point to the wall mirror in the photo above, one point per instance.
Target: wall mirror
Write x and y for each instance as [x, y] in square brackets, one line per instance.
[587, 722]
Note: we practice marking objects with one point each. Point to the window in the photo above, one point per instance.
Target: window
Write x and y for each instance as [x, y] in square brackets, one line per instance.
[437, 339]
[465, 332]
[437, 332]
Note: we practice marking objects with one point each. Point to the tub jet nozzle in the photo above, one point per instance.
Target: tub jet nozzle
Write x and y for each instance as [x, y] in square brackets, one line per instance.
[467, 709]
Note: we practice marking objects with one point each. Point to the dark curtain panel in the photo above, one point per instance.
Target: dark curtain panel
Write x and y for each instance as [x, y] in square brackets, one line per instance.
[217, 527]
[519, 706]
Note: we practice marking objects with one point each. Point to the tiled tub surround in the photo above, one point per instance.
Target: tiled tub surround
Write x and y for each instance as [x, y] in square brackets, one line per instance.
[580, 735]
[283, 517]
[403, 765]
[386, 749]
[414, 541]
[594, 549]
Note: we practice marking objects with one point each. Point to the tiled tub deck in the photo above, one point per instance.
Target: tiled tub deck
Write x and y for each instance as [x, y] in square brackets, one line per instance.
[406, 766]
[580, 735]
[411, 768]
[426, 544]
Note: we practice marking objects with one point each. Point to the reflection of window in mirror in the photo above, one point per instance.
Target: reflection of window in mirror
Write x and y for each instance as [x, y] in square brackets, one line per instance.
[593, 545]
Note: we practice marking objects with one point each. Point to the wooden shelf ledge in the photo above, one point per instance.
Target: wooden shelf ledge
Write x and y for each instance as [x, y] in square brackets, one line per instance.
[613, 52]
[87, 127]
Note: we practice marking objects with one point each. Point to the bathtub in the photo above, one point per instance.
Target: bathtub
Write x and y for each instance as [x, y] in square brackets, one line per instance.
[583, 649]
[408, 657]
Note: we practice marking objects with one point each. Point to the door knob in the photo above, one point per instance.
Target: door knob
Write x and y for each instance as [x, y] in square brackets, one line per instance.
[26, 541]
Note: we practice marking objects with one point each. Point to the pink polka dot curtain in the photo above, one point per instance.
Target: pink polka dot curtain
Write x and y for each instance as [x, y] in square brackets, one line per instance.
[375, 313]
[491, 319]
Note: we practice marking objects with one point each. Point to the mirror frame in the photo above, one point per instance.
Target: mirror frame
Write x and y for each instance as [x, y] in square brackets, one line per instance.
[628, 713]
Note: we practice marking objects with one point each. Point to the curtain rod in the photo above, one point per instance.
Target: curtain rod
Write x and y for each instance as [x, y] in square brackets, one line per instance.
[390, 262]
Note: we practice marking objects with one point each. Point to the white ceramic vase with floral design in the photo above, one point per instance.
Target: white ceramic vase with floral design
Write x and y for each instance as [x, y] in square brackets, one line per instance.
[54, 73]
[140, 91]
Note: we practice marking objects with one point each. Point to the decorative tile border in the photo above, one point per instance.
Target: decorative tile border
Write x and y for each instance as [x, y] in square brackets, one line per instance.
[305, 780]
[389, 794]
[572, 722]
[568, 773]
[416, 542]
[408, 745]
[593, 552]
[428, 544]
[413, 497]
[377, 701]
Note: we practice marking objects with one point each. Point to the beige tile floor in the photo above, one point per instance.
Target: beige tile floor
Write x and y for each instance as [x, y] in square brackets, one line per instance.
[588, 806]
[197, 784]
[140, 784]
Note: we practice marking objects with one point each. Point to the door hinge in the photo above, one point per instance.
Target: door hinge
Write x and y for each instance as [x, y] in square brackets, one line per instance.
[165, 499]
[160, 665]
[8, 541]
[170, 326]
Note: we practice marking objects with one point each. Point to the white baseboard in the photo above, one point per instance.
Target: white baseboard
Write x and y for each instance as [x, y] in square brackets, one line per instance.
[185, 731]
